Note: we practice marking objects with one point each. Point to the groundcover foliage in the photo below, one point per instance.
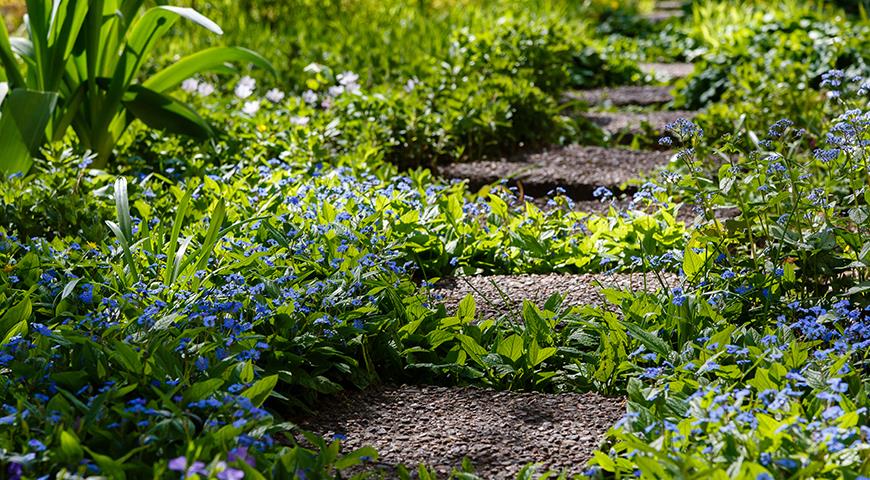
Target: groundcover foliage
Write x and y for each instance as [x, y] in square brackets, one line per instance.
[171, 316]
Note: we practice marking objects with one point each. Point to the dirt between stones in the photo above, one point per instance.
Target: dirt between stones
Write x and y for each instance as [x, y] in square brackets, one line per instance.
[577, 169]
[499, 296]
[499, 432]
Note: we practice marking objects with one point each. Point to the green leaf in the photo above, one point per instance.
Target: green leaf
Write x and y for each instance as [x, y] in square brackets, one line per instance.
[124, 354]
[648, 339]
[260, 391]
[466, 309]
[692, 262]
[201, 390]
[122, 208]
[107, 465]
[604, 461]
[204, 61]
[70, 448]
[25, 113]
[125, 248]
[511, 347]
[538, 355]
[14, 321]
[356, 458]
[535, 323]
[163, 112]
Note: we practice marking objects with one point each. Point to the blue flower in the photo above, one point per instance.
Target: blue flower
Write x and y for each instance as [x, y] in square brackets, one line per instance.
[36, 445]
[87, 295]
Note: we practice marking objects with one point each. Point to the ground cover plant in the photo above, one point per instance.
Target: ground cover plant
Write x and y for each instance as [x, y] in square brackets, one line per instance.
[167, 313]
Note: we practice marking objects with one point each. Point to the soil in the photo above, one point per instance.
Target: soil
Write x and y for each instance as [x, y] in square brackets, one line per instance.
[499, 432]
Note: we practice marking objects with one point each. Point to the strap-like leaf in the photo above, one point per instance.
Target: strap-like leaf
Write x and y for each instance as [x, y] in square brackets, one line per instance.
[206, 60]
[163, 112]
[10, 65]
[151, 26]
[24, 116]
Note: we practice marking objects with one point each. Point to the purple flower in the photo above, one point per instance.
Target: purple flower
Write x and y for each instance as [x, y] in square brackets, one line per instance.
[241, 453]
[231, 474]
[178, 464]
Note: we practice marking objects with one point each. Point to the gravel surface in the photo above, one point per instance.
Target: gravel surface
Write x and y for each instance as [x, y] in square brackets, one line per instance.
[631, 124]
[667, 71]
[499, 432]
[502, 295]
[577, 169]
[621, 96]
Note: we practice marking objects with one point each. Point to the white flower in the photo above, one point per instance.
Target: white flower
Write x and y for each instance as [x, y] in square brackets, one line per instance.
[309, 97]
[274, 95]
[251, 107]
[205, 89]
[411, 84]
[347, 78]
[190, 85]
[336, 90]
[300, 121]
[245, 87]
[352, 88]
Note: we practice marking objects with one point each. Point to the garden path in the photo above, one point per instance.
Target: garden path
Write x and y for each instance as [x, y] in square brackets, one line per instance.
[499, 432]
[502, 431]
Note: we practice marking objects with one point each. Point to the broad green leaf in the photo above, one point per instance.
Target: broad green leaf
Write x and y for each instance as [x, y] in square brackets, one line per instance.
[204, 61]
[538, 355]
[466, 309]
[511, 347]
[260, 391]
[163, 112]
[14, 321]
[692, 262]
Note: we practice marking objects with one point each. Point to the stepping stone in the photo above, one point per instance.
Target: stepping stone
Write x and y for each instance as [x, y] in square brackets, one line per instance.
[621, 96]
[670, 5]
[628, 125]
[577, 169]
[499, 432]
[659, 16]
[498, 296]
[667, 71]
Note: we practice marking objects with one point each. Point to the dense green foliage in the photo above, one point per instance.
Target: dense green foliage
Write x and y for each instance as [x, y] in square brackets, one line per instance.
[171, 313]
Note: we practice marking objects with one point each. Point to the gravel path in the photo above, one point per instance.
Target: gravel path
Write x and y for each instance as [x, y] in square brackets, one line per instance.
[643, 95]
[577, 169]
[498, 431]
[667, 71]
[502, 295]
[631, 124]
